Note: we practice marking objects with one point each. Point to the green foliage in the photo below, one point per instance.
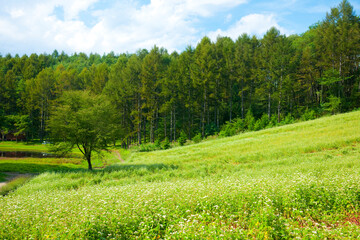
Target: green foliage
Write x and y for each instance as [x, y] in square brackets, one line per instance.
[82, 120]
[289, 119]
[182, 139]
[156, 94]
[211, 129]
[60, 148]
[233, 128]
[249, 120]
[148, 147]
[273, 121]
[262, 122]
[197, 138]
[157, 144]
[165, 144]
[333, 105]
[309, 114]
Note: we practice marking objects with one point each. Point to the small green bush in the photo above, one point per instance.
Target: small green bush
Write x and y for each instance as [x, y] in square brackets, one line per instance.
[148, 147]
[165, 144]
[249, 120]
[211, 129]
[182, 138]
[158, 144]
[232, 128]
[308, 115]
[288, 120]
[227, 130]
[333, 105]
[261, 123]
[273, 121]
[197, 138]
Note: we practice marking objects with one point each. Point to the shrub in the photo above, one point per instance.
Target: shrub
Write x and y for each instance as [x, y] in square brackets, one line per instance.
[239, 125]
[165, 144]
[249, 120]
[273, 121]
[232, 128]
[227, 130]
[182, 138]
[261, 123]
[197, 138]
[333, 105]
[308, 115]
[288, 120]
[158, 144]
[211, 129]
[147, 147]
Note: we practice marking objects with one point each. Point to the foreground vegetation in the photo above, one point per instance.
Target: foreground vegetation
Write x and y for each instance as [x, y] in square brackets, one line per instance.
[297, 180]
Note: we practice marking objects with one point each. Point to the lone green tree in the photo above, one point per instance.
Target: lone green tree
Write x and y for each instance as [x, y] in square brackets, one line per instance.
[83, 120]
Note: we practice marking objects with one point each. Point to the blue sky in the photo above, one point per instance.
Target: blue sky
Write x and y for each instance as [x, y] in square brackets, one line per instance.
[101, 26]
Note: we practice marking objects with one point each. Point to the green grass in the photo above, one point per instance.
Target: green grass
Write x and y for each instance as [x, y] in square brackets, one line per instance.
[294, 181]
[13, 185]
[2, 177]
[22, 146]
[40, 165]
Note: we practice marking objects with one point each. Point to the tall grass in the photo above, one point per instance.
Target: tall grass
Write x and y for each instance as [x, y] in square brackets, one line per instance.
[295, 181]
[14, 184]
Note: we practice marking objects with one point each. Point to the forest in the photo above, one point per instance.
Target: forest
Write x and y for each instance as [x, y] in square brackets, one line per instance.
[157, 95]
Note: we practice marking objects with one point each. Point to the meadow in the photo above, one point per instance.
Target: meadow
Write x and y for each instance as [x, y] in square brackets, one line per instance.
[295, 181]
[73, 161]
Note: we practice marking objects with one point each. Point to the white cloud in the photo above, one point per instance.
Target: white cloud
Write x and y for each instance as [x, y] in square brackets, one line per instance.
[228, 18]
[15, 13]
[27, 26]
[253, 24]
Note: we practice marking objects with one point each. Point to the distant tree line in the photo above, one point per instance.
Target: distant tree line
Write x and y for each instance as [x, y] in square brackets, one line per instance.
[157, 95]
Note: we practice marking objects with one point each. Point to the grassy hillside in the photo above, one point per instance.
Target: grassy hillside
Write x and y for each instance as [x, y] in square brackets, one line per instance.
[299, 180]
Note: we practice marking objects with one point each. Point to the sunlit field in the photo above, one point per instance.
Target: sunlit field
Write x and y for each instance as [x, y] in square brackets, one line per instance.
[299, 180]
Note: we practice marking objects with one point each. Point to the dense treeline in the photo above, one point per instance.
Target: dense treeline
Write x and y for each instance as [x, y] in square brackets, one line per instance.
[158, 95]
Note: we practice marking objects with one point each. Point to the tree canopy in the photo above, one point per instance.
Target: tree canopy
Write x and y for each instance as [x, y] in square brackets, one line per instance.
[157, 95]
[84, 120]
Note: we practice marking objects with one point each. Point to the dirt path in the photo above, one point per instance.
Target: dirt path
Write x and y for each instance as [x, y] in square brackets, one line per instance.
[118, 155]
[12, 175]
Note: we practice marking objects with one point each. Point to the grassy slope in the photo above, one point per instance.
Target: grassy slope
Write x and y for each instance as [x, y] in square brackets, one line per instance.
[299, 180]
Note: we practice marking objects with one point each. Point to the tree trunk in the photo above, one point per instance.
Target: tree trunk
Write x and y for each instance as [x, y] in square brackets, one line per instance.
[152, 129]
[171, 124]
[139, 119]
[230, 101]
[174, 125]
[144, 129]
[165, 133]
[269, 106]
[279, 103]
[88, 158]
[242, 99]
[203, 116]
